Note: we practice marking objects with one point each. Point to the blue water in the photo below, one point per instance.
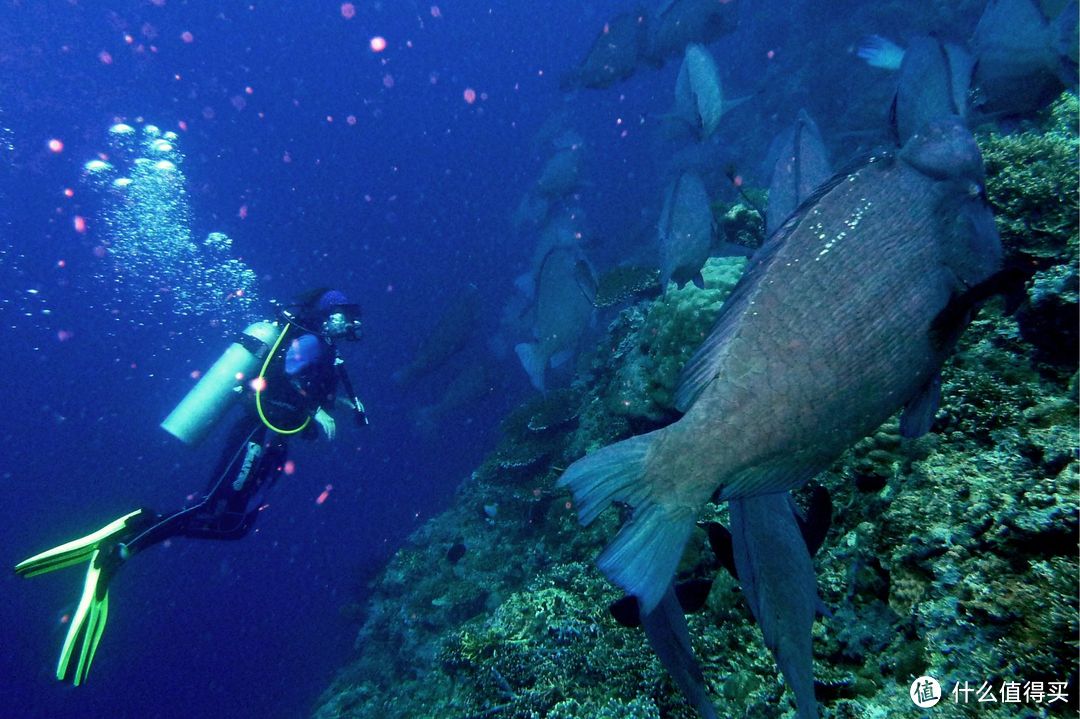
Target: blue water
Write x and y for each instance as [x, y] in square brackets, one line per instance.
[400, 209]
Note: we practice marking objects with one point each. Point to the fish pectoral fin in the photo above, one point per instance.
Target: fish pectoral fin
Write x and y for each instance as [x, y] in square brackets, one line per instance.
[919, 412]
[560, 358]
[668, 635]
[720, 542]
[532, 362]
[815, 524]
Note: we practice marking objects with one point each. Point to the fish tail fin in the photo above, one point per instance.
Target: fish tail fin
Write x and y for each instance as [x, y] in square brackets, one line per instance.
[533, 362]
[644, 555]
[880, 52]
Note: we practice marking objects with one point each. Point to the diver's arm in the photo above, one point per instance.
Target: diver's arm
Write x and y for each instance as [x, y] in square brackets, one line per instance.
[352, 399]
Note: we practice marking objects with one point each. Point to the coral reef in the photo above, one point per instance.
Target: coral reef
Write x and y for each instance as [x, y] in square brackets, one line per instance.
[621, 284]
[954, 555]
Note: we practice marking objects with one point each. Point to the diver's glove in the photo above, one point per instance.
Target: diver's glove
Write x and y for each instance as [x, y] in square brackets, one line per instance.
[361, 414]
[327, 423]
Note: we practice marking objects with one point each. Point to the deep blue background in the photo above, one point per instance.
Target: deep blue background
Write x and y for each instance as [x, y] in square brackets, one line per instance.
[252, 628]
[400, 209]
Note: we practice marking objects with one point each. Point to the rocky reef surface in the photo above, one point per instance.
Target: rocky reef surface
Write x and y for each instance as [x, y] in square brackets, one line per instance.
[954, 555]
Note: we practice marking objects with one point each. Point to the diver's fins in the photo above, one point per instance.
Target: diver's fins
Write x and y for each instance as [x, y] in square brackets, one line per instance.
[73, 552]
[104, 551]
[87, 624]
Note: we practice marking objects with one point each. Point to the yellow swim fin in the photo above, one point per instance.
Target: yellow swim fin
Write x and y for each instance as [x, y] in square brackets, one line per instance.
[73, 552]
[87, 625]
[104, 553]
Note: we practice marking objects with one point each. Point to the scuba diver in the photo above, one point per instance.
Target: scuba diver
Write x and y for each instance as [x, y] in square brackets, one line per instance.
[287, 375]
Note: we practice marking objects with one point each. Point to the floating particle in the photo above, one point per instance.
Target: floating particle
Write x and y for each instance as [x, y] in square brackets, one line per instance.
[377, 43]
[348, 10]
[388, 81]
[79, 223]
[435, 11]
[470, 95]
[104, 57]
[187, 37]
[351, 119]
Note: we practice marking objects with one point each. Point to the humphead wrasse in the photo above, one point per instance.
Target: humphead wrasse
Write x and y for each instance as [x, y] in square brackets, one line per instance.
[844, 317]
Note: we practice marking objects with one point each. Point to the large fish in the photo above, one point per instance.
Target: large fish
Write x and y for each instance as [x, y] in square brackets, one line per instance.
[562, 314]
[1023, 61]
[469, 385]
[531, 212]
[452, 331]
[614, 53]
[833, 328]
[562, 230]
[802, 166]
[934, 82]
[685, 231]
[699, 93]
[681, 22]
[561, 173]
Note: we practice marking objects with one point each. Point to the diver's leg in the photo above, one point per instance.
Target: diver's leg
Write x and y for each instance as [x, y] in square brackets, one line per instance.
[231, 508]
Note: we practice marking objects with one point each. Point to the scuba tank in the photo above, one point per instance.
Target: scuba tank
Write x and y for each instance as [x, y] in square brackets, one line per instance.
[208, 400]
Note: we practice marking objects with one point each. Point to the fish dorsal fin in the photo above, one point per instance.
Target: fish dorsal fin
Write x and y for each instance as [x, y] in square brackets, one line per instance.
[861, 161]
[704, 366]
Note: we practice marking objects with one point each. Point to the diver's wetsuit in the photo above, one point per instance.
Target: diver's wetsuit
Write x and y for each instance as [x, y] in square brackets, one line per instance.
[301, 378]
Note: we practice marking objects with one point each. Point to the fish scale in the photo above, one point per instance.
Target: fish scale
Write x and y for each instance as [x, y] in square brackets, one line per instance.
[826, 336]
